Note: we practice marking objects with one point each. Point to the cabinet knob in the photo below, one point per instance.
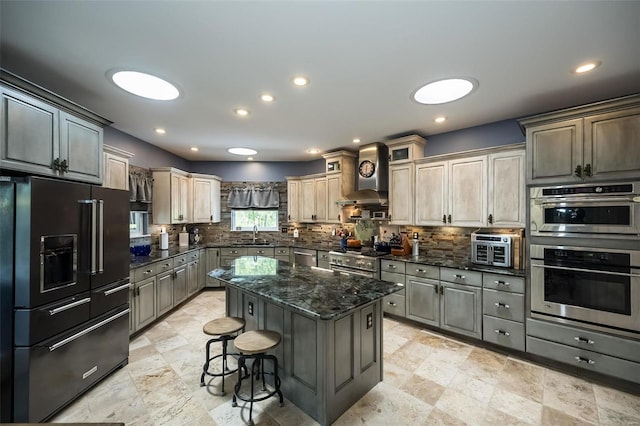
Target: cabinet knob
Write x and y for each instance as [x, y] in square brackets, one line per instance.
[490, 219]
[587, 170]
[444, 218]
[583, 340]
[578, 171]
[502, 332]
[449, 218]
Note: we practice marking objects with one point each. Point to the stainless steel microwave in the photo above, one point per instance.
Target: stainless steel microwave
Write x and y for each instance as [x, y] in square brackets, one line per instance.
[586, 210]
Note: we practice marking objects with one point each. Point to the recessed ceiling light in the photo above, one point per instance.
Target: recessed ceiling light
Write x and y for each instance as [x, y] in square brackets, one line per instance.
[250, 158]
[194, 148]
[145, 85]
[242, 151]
[242, 112]
[313, 151]
[586, 67]
[300, 80]
[356, 140]
[160, 131]
[266, 97]
[440, 119]
[442, 91]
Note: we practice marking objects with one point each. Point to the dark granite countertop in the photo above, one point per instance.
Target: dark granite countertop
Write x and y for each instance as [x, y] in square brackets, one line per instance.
[316, 292]
[155, 255]
[456, 264]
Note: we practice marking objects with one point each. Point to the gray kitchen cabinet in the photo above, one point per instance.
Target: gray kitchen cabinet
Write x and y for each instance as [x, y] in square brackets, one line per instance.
[423, 300]
[212, 262]
[116, 168]
[461, 309]
[503, 310]
[283, 253]
[261, 251]
[590, 143]
[506, 202]
[401, 199]
[192, 275]
[321, 198]
[38, 137]
[206, 198]
[145, 307]
[393, 271]
[165, 292]
[202, 269]
[180, 284]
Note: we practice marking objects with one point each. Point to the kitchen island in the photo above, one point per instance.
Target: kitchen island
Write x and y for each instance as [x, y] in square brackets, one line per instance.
[331, 323]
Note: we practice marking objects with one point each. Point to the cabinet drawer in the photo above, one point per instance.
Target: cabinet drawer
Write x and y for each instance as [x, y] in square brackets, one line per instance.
[585, 339]
[181, 260]
[283, 251]
[503, 282]
[503, 305]
[503, 332]
[392, 277]
[194, 255]
[260, 251]
[582, 358]
[422, 271]
[164, 265]
[145, 272]
[392, 266]
[323, 256]
[394, 304]
[233, 251]
[460, 276]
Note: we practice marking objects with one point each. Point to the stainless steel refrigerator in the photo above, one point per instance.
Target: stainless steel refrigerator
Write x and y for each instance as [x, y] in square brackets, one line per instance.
[64, 292]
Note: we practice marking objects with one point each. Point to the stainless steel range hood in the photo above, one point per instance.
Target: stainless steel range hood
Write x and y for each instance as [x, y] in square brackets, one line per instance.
[373, 178]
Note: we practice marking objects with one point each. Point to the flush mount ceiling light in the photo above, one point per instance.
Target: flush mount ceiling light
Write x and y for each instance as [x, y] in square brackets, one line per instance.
[267, 97]
[586, 67]
[194, 148]
[442, 91]
[440, 119]
[145, 85]
[356, 140]
[242, 151]
[241, 112]
[313, 151]
[160, 131]
[300, 80]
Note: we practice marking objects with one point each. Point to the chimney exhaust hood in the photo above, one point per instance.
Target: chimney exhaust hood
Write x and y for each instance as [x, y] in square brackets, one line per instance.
[373, 178]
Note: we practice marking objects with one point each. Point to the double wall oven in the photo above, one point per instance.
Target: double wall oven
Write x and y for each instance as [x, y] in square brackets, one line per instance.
[585, 255]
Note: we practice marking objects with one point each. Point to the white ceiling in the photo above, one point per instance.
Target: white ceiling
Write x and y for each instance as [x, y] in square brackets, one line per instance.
[364, 60]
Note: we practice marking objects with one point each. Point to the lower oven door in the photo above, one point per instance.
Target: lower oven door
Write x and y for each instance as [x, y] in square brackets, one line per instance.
[350, 271]
[609, 298]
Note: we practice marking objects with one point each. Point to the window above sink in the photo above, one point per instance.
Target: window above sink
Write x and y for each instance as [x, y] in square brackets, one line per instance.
[246, 219]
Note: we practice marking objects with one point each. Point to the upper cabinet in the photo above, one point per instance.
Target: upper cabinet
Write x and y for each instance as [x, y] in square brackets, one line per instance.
[116, 168]
[402, 153]
[341, 177]
[170, 196]
[44, 134]
[596, 142]
[506, 203]
[293, 199]
[206, 198]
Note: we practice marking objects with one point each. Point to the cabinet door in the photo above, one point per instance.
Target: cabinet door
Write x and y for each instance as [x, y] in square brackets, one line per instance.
[165, 292]
[215, 201]
[293, 200]
[506, 190]
[612, 145]
[213, 259]
[423, 301]
[401, 194]
[145, 303]
[202, 269]
[468, 191]
[179, 284]
[81, 147]
[431, 193]
[461, 309]
[334, 194]
[554, 151]
[308, 200]
[30, 136]
[116, 171]
[192, 277]
[321, 200]
[202, 200]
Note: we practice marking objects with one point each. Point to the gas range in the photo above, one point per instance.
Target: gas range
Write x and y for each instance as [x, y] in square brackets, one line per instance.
[363, 262]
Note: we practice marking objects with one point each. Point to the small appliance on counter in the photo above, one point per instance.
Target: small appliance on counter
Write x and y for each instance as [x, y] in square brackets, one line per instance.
[505, 250]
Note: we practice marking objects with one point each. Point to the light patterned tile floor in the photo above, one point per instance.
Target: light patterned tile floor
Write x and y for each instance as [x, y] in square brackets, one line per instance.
[429, 380]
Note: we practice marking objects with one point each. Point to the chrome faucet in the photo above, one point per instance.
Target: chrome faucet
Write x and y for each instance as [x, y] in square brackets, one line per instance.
[255, 233]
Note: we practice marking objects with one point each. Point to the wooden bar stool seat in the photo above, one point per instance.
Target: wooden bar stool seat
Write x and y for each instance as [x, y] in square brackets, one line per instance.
[253, 345]
[226, 329]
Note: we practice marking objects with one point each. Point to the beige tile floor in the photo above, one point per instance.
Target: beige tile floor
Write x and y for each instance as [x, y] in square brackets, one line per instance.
[428, 380]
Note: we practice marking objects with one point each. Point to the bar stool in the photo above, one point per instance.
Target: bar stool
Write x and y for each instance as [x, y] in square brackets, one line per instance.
[253, 345]
[224, 328]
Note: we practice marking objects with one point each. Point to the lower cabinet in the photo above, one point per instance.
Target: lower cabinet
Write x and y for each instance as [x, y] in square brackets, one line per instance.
[503, 310]
[212, 262]
[461, 309]
[393, 272]
[323, 259]
[144, 301]
[202, 269]
[179, 284]
[165, 292]
[423, 300]
[192, 277]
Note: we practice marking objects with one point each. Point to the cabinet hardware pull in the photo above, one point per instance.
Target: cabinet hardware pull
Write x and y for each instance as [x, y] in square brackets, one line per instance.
[64, 166]
[87, 330]
[148, 271]
[117, 289]
[421, 270]
[504, 333]
[462, 277]
[502, 305]
[585, 360]
[578, 171]
[288, 217]
[392, 303]
[56, 164]
[211, 218]
[444, 218]
[392, 266]
[501, 283]
[400, 284]
[491, 218]
[587, 170]
[584, 340]
[441, 290]
[69, 306]
[449, 218]
[435, 289]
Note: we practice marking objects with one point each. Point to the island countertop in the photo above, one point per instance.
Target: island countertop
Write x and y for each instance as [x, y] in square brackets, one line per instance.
[317, 292]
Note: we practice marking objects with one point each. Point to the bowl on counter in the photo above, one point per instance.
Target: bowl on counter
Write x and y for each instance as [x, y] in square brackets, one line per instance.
[141, 250]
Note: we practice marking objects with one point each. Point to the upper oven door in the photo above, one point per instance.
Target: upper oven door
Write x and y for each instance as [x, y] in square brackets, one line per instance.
[599, 286]
[603, 215]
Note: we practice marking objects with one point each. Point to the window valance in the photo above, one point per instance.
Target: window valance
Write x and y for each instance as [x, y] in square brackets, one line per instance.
[140, 187]
[253, 196]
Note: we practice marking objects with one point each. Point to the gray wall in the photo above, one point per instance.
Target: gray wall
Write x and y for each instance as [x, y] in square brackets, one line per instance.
[485, 136]
[145, 154]
[245, 171]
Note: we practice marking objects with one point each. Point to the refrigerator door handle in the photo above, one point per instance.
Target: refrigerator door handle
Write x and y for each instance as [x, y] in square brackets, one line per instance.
[87, 330]
[59, 309]
[101, 236]
[93, 203]
[117, 289]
